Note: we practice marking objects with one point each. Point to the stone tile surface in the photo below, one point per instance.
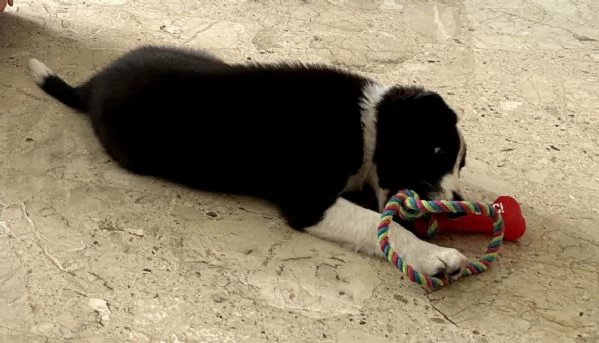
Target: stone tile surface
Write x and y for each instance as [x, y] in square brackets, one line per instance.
[89, 253]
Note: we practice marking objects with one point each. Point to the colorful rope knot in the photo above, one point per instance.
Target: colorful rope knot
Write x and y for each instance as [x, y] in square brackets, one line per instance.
[408, 206]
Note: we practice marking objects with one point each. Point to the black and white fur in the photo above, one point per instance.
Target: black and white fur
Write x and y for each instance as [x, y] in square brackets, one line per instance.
[300, 136]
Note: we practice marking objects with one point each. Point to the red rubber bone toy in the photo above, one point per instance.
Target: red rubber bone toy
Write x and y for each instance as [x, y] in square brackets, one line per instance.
[508, 207]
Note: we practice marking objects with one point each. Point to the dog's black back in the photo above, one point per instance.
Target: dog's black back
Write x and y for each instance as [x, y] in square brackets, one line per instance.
[289, 133]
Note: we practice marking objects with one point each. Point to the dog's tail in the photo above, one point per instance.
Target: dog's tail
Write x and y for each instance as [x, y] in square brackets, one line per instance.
[56, 87]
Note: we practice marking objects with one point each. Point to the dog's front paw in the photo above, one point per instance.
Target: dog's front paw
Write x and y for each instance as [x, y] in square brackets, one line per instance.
[436, 261]
[425, 257]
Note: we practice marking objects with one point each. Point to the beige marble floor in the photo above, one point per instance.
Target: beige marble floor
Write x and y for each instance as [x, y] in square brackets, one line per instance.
[89, 253]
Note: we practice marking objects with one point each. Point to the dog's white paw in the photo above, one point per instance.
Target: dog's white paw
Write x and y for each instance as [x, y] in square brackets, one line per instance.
[426, 257]
[437, 261]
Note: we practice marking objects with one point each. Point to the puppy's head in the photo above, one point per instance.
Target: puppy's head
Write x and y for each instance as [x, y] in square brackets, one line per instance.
[418, 146]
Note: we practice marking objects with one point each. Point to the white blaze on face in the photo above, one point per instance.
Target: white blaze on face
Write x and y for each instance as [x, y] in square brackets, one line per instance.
[450, 183]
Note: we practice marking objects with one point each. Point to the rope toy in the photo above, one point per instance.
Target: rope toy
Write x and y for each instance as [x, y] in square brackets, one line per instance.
[408, 206]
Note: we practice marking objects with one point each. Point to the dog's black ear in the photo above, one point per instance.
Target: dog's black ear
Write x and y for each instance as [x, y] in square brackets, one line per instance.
[414, 106]
[432, 108]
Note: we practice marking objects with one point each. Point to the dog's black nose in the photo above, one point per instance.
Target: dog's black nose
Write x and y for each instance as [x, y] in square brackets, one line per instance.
[456, 196]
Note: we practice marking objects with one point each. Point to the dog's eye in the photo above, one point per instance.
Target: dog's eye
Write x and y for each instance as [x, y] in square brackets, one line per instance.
[439, 151]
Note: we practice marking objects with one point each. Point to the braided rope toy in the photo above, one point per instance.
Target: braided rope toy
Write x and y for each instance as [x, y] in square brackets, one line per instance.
[408, 206]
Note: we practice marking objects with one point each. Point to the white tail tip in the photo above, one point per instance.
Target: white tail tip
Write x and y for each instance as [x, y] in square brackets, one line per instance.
[39, 71]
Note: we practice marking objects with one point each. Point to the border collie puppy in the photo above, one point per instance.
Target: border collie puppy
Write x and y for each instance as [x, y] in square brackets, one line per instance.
[299, 136]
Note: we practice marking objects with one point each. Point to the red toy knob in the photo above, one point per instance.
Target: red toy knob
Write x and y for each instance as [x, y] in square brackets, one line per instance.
[508, 207]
